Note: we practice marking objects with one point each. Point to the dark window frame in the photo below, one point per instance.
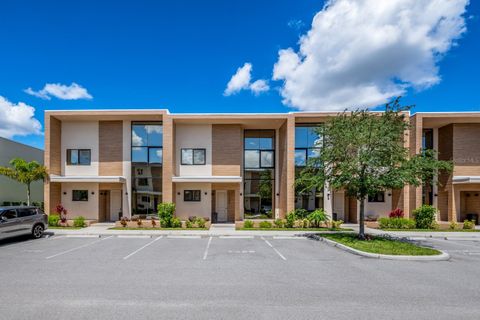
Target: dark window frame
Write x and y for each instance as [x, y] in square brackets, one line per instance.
[79, 199]
[133, 123]
[69, 157]
[375, 199]
[194, 194]
[193, 157]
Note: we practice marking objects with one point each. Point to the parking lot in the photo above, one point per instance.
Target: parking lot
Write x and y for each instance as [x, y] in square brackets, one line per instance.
[135, 277]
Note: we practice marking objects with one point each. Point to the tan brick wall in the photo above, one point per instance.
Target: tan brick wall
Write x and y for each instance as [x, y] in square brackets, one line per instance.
[415, 136]
[282, 169]
[168, 159]
[110, 148]
[227, 150]
[53, 136]
[290, 164]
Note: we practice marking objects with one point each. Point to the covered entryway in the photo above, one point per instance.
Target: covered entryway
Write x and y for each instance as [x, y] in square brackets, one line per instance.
[221, 205]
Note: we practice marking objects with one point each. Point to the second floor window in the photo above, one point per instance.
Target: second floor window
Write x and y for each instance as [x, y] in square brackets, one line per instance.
[78, 157]
[193, 156]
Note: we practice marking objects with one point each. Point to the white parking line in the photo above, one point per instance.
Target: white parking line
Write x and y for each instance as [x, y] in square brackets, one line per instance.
[143, 247]
[77, 248]
[134, 237]
[184, 237]
[82, 236]
[236, 237]
[288, 238]
[206, 249]
[274, 249]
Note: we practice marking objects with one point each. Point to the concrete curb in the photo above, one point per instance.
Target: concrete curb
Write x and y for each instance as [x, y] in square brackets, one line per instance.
[441, 257]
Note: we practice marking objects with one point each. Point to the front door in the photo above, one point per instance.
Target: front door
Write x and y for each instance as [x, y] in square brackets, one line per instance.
[221, 205]
[103, 205]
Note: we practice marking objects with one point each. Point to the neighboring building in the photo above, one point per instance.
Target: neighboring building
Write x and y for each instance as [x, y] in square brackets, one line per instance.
[10, 190]
[230, 167]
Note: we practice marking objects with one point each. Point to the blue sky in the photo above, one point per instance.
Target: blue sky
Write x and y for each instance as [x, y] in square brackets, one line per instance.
[180, 55]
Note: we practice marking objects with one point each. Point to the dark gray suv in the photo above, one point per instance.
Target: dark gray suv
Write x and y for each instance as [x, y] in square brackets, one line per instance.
[21, 220]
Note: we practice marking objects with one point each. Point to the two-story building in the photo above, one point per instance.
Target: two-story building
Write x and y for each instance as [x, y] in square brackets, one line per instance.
[229, 167]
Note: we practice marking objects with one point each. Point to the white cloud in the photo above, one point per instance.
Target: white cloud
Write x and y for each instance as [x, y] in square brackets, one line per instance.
[296, 24]
[259, 86]
[17, 119]
[60, 91]
[241, 81]
[361, 53]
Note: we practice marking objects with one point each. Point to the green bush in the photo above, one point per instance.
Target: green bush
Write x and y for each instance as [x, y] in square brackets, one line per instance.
[425, 217]
[337, 224]
[453, 225]
[396, 223]
[265, 224]
[290, 221]
[79, 222]
[53, 220]
[279, 223]
[301, 213]
[248, 224]
[201, 222]
[166, 211]
[189, 224]
[317, 217]
[467, 224]
[176, 223]
[305, 223]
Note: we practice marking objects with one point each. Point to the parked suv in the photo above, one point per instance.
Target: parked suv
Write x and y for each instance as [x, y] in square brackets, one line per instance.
[19, 220]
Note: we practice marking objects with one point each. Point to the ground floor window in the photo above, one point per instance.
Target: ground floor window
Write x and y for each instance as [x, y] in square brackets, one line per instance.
[259, 187]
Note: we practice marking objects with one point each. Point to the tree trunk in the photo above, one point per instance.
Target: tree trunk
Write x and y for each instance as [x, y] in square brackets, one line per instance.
[361, 223]
[28, 194]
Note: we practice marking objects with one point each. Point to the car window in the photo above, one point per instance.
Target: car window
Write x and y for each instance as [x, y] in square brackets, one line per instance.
[9, 214]
[26, 212]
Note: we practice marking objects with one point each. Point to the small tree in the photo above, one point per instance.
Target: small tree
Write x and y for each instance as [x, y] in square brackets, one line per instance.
[364, 153]
[25, 172]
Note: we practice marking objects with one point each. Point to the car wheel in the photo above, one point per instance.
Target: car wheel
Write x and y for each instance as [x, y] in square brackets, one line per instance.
[37, 231]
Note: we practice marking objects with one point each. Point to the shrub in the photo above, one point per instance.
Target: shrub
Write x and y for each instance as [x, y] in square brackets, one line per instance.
[248, 224]
[265, 224]
[79, 222]
[189, 224]
[425, 217]
[154, 223]
[192, 219]
[53, 220]
[397, 213]
[305, 223]
[396, 223]
[201, 222]
[337, 224]
[468, 224]
[279, 223]
[290, 221]
[453, 225]
[301, 213]
[123, 221]
[166, 210]
[139, 222]
[176, 223]
[317, 217]
[62, 213]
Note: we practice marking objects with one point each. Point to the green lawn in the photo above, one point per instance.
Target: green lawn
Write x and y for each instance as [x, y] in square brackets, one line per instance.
[381, 245]
[295, 229]
[433, 230]
[142, 228]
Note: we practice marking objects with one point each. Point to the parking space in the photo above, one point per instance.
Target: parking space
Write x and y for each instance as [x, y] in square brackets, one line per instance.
[228, 277]
[458, 248]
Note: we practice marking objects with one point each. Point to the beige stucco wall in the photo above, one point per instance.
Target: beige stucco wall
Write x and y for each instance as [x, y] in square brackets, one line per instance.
[87, 209]
[80, 135]
[184, 209]
[193, 136]
[127, 169]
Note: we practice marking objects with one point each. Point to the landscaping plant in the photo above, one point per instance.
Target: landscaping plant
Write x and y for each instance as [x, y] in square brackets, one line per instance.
[425, 217]
[397, 213]
[365, 153]
[453, 225]
[154, 223]
[53, 220]
[318, 217]
[279, 223]
[396, 223]
[79, 222]
[290, 219]
[468, 225]
[24, 172]
[201, 222]
[265, 224]
[176, 223]
[62, 212]
[166, 211]
[337, 224]
[301, 213]
[123, 221]
[248, 224]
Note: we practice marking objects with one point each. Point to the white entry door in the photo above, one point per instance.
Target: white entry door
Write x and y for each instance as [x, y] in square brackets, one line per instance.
[221, 205]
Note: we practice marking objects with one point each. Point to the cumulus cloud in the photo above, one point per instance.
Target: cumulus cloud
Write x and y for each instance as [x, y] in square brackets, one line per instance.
[17, 119]
[241, 80]
[361, 53]
[60, 91]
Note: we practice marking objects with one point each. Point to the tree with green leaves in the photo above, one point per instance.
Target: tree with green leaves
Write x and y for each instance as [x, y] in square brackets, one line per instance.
[364, 153]
[24, 172]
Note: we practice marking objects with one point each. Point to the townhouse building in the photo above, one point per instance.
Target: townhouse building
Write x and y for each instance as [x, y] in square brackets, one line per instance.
[106, 164]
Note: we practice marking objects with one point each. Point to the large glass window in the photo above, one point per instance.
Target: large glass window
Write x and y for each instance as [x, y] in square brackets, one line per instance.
[147, 160]
[78, 157]
[427, 188]
[307, 147]
[259, 173]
